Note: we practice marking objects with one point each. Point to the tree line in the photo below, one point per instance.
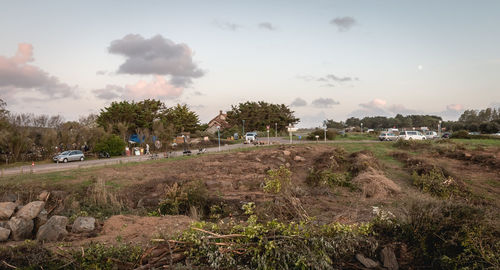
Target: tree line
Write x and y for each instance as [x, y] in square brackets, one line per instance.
[485, 121]
[29, 137]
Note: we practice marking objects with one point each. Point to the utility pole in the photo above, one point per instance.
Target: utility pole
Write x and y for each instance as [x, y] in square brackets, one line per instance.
[243, 128]
[218, 135]
[276, 130]
[268, 140]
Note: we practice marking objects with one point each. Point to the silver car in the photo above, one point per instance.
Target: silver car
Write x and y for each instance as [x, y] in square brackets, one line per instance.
[72, 155]
[387, 136]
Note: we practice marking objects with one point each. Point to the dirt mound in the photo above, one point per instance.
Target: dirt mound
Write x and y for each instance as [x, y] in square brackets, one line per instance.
[140, 230]
[362, 161]
[374, 184]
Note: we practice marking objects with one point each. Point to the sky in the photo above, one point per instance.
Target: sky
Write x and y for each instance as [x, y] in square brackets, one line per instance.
[325, 59]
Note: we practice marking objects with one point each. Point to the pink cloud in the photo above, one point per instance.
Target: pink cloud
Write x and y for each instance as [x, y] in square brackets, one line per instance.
[455, 107]
[158, 87]
[375, 103]
[17, 76]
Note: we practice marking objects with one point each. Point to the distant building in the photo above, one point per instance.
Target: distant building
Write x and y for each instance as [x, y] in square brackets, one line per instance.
[219, 120]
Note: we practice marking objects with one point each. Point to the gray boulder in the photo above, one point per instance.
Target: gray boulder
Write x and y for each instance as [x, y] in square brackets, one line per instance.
[4, 234]
[83, 224]
[21, 228]
[7, 209]
[53, 230]
[31, 210]
[4, 224]
[389, 258]
[8, 197]
[41, 219]
[366, 262]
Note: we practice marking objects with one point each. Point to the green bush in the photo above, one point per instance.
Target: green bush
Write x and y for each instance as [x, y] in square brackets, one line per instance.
[277, 180]
[330, 134]
[437, 184]
[461, 134]
[112, 144]
[180, 198]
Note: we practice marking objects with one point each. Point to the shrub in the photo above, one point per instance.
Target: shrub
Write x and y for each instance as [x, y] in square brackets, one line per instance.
[277, 180]
[437, 184]
[330, 134]
[180, 198]
[461, 134]
[112, 144]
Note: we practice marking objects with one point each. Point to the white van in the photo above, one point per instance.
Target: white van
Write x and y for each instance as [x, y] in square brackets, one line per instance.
[411, 135]
[431, 135]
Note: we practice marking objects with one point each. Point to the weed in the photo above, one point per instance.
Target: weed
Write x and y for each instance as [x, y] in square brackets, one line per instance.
[277, 180]
[437, 184]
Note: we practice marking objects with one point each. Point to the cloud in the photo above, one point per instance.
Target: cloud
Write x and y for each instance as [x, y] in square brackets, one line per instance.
[455, 107]
[298, 102]
[156, 56]
[18, 77]
[376, 103]
[343, 23]
[159, 88]
[267, 26]
[110, 92]
[101, 72]
[324, 103]
[227, 25]
[331, 77]
[198, 93]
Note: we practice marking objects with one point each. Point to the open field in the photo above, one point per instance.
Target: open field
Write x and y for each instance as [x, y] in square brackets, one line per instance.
[369, 194]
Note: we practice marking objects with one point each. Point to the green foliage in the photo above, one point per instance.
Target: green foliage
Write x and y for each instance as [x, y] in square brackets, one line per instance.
[29, 255]
[258, 115]
[102, 256]
[182, 119]
[277, 245]
[413, 144]
[112, 144]
[461, 134]
[277, 180]
[328, 177]
[330, 134]
[437, 184]
[180, 198]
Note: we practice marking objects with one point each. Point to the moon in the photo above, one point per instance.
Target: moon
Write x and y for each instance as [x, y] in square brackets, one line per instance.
[420, 67]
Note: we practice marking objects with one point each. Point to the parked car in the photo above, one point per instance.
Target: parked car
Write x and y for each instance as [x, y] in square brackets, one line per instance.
[496, 134]
[446, 135]
[474, 133]
[387, 136]
[251, 136]
[104, 154]
[431, 135]
[411, 135]
[72, 155]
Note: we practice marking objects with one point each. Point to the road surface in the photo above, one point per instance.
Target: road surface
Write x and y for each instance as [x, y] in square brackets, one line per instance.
[51, 167]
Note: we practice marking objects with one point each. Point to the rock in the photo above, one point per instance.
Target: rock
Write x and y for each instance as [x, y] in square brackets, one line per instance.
[299, 158]
[43, 196]
[83, 224]
[286, 152]
[282, 159]
[53, 230]
[4, 224]
[287, 165]
[7, 209]
[258, 159]
[389, 258]
[366, 262]
[21, 228]
[31, 210]
[8, 197]
[4, 234]
[41, 219]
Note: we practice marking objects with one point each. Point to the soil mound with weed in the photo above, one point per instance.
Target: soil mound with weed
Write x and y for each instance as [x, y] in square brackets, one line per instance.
[374, 184]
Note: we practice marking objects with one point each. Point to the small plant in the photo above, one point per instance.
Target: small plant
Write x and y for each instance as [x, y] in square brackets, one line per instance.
[248, 208]
[436, 183]
[180, 198]
[277, 180]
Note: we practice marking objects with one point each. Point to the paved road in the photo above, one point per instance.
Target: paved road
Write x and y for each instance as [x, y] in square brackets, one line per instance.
[43, 168]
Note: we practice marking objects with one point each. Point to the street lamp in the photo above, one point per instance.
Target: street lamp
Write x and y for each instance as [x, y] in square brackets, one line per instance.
[361, 127]
[243, 127]
[325, 127]
[218, 135]
[276, 129]
[439, 129]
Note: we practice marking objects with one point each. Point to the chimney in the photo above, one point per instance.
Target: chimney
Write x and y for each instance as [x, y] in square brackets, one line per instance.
[220, 112]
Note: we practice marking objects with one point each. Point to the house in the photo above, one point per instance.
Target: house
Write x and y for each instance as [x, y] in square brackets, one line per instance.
[219, 120]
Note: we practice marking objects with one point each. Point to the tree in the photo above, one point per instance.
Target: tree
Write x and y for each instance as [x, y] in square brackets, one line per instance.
[111, 144]
[182, 119]
[332, 124]
[258, 115]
